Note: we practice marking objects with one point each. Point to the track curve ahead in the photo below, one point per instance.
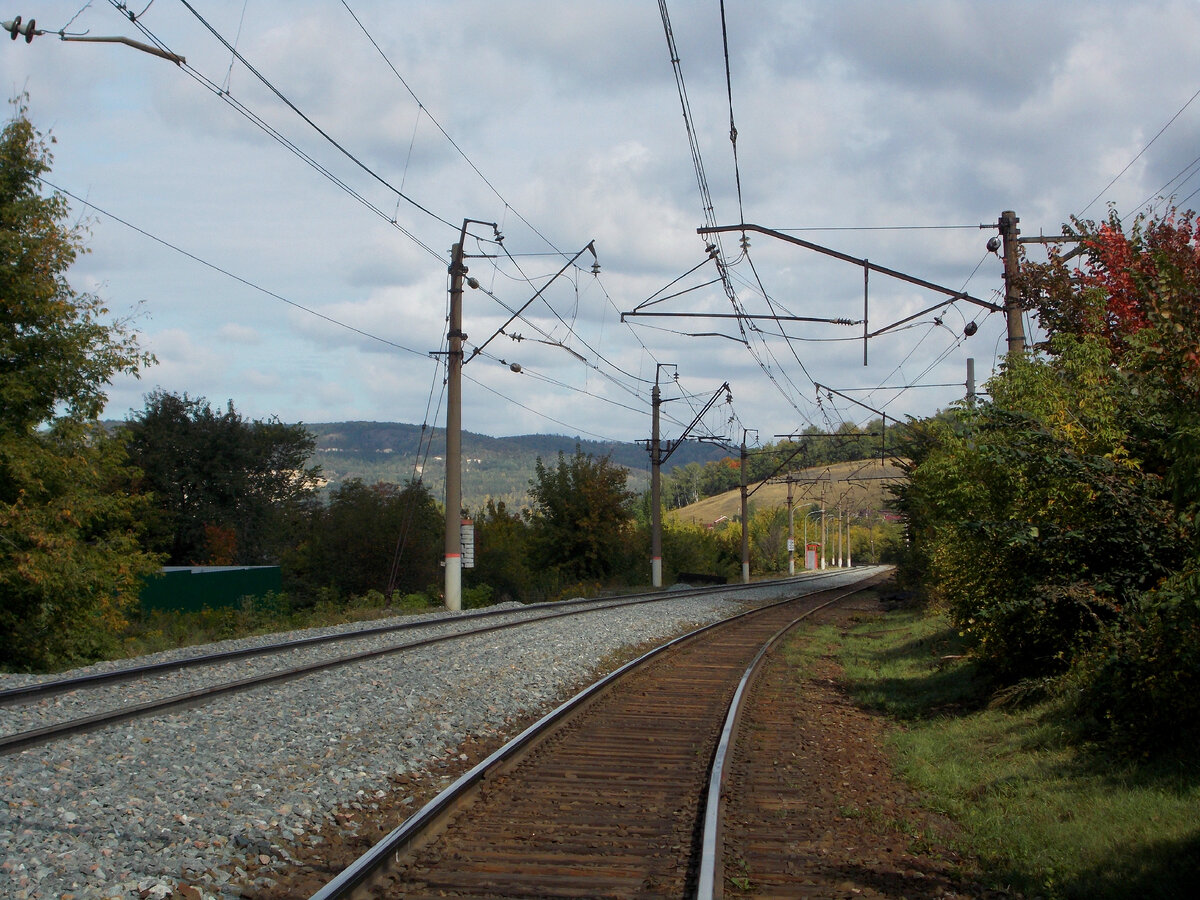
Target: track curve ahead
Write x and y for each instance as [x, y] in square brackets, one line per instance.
[604, 798]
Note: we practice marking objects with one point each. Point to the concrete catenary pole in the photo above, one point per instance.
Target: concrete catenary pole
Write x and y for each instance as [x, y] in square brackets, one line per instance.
[1012, 297]
[655, 489]
[791, 530]
[454, 362]
[745, 517]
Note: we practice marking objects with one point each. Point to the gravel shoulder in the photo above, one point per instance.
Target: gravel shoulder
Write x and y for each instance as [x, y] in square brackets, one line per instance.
[220, 801]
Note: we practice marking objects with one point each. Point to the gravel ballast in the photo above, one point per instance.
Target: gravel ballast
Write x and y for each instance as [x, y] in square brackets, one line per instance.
[132, 810]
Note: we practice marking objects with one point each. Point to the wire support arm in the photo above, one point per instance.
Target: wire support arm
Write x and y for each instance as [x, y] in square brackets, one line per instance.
[845, 257]
[590, 248]
[744, 316]
[674, 445]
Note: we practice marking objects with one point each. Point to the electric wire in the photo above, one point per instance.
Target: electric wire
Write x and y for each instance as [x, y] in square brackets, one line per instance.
[422, 108]
[1183, 176]
[732, 127]
[253, 117]
[539, 413]
[595, 352]
[309, 121]
[877, 228]
[228, 274]
[399, 192]
[282, 139]
[744, 322]
[1117, 177]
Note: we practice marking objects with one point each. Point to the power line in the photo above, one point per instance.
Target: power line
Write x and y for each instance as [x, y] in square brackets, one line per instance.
[878, 228]
[226, 272]
[423, 109]
[321, 131]
[1117, 177]
[279, 137]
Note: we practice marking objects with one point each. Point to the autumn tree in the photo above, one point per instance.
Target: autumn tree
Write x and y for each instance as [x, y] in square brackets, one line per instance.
[1057, 519]
[70, 562]
[502, 541]
[379, 537]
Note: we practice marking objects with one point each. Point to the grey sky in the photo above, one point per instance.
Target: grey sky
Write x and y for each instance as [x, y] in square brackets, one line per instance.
[849, 115]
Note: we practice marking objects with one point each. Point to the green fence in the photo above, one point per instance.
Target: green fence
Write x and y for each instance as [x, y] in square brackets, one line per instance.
[191, 588]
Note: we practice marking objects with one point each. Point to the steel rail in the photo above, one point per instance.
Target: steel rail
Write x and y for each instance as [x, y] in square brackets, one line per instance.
[24, 740]
[710, 842]
[38, 690]
[359, 875]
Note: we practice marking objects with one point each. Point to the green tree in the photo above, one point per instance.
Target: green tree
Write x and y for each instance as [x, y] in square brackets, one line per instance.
[502, 543]
[1058, 520]
[214, 475]
[70, 564]
[581, 511]
[380, 537]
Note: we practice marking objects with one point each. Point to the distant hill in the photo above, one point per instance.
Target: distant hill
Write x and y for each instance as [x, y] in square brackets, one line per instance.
[495, 468]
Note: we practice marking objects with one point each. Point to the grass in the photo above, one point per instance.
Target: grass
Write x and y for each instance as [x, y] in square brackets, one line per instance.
[1043, 813]
[155, 631]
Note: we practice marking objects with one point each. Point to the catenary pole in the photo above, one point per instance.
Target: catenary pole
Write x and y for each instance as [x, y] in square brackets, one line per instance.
[745, 518]
[791, 529]
[1012, 295]
[454, 362]
[656, 487]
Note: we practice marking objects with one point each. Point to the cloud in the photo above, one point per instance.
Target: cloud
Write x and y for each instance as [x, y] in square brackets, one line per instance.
[857, 114]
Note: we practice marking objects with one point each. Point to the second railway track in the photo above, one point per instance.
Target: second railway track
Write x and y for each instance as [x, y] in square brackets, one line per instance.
[45, 711]
[226, 797]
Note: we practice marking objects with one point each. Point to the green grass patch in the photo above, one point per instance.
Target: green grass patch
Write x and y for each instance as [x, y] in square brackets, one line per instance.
[1043, 813]
[158, 630]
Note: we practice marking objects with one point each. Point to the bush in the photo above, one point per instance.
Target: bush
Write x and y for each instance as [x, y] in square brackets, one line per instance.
[1138, 686]
[477, 597]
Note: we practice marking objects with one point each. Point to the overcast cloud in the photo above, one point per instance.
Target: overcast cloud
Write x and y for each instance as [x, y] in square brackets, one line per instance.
[855, 115]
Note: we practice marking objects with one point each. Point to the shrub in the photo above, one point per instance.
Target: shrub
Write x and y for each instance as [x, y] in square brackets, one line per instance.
[1139, 684]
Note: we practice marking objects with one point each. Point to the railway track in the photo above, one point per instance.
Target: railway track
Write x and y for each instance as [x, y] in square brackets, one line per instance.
[65, 707]
[609, 795]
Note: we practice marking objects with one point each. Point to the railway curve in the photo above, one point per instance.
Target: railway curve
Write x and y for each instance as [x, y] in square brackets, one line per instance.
[603, 797]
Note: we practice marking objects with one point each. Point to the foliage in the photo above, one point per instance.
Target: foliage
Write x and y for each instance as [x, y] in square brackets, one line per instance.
[768, 540]
[1139, 686]
[157, 630]
[377, 537]
[693, 482]
[693, 548]
[1043, 815]
[70, 565]
[223, 486]
[1056, 521]
[581, 511]
[501, 553]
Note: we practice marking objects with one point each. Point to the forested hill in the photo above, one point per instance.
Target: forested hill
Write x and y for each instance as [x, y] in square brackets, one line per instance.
[497, 468]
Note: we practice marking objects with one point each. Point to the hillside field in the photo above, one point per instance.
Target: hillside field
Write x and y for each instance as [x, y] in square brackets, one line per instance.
[859, 486]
